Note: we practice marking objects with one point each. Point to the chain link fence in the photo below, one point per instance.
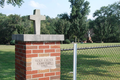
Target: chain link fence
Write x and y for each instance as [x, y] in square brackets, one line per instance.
[93, 63]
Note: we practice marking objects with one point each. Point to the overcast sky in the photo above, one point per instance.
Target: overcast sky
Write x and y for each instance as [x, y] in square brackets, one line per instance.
[51, 7]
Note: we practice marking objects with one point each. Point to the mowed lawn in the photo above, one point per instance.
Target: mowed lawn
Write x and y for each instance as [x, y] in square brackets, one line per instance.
[92, 64]
[65, 46]
[7, 62]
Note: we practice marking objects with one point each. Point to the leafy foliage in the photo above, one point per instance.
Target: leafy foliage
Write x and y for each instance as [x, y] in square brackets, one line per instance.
[106, 25]
[13, 2]
[77, 19]
[75, 26]
[12, 24]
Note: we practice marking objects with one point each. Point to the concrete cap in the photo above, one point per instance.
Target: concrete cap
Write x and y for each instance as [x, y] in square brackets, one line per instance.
[34, 37]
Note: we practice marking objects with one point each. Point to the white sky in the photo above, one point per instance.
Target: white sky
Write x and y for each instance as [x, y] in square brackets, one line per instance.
[51, 7]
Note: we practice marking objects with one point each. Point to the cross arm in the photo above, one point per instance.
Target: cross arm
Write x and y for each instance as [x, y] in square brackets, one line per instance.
[42, 17]
[32, 17]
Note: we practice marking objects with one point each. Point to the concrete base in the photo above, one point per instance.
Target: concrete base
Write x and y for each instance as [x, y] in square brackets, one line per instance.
[34, 37]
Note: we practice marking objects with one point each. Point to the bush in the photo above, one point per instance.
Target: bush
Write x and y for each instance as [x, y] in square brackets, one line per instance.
[72, 40]
[83, 39]
[67, 41]
[12, 42]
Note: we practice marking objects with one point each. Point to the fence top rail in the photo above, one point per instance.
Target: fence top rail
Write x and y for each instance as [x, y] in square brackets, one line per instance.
[84, 48]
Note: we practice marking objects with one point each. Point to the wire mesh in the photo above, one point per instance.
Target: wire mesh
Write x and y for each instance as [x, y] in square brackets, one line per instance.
[93, 63]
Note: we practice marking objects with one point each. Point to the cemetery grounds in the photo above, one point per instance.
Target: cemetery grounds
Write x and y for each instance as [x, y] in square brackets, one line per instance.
[91, 64]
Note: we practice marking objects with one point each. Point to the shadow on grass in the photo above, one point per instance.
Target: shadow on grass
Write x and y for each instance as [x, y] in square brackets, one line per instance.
[7, 65]
[86, 65]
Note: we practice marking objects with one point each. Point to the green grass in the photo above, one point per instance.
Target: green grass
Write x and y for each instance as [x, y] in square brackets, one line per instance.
[7, 62]
[100, 64]
[95, 64]
[87, 45]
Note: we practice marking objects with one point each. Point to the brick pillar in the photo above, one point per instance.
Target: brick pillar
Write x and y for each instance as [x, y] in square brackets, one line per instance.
[25, 51]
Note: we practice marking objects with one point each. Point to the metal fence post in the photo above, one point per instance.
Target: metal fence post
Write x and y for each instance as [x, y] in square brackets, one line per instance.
[75, 62]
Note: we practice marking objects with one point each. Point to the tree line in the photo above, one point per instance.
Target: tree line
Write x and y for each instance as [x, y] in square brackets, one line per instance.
[105, 27]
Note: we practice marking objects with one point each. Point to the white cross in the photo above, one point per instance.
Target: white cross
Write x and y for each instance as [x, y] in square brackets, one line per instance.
[37, 20]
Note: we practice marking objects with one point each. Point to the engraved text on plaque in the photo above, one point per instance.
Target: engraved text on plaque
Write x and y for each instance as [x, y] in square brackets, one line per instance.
[42, 63]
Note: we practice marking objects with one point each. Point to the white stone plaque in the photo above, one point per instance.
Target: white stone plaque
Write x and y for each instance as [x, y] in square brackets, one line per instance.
[43, 63]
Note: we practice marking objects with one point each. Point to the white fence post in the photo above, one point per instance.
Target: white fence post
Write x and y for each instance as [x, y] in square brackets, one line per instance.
[75, 62]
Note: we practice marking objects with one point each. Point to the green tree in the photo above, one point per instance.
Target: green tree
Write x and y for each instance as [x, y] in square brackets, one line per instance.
[13, 2]
[10, 27]
[47, 26]
[78, 17]
[62, 27]
[49, 22]
[2, 28]
[12, 24]
[25, 25]
[107, 23]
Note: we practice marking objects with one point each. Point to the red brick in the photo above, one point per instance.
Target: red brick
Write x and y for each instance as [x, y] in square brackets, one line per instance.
[57, 73]
[57, 50]
[16, 64]
[37, 43]
[28, 68]
[49, 43]
[17, 53]
[58, 42]
[21, 46]
[19, 57]
[55, 54]
[57, 58]
[31, 47]
[16, 78]
[49, 50]
[21, 70]
[44, 71]
[20, 50]
[50, 74]
[16, 46]
[24, 59]
[55, 70]
[17, 60]
[16, 56]
[32, 79]
[37, 75]
[37, 51]
[20, 42]
[55, 46]
[19, 65]
[16, 49]
[43, 47]
[31, 55]
[27, 43]
[28, 60]
[21, 62]
[21, 54]
[17, 75]
[26, 51]
[16, 67]
[55, 78]
[28, 64]
[57, 62]
[46, 78]
[31, 72]
[28, 77]
[43, 55]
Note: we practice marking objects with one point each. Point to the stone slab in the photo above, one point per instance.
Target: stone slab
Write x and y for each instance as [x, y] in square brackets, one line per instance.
[42, 63]
[34, 37]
